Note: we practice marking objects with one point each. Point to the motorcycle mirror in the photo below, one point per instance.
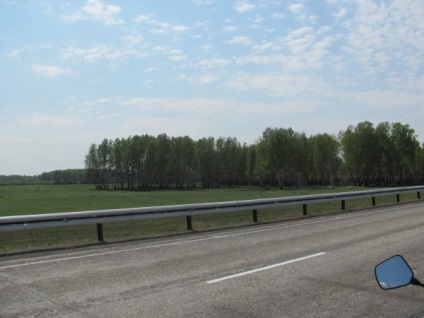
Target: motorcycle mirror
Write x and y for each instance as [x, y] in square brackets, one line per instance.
[393, 273]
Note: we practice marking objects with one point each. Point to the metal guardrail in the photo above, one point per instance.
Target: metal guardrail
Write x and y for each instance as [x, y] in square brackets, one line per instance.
[22, 222]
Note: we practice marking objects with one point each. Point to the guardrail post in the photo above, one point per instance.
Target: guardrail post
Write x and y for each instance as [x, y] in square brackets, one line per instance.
[398, 198]
[373, 201]
[189, 223]
[419, 195]
[255, 215]
[305, 210]
[100, 232]
[343, 205]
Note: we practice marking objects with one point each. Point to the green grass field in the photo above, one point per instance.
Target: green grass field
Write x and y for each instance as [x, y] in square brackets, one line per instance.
[38, 199]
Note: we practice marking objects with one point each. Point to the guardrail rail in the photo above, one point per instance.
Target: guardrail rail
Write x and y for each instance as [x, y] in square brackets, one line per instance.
[22, 222]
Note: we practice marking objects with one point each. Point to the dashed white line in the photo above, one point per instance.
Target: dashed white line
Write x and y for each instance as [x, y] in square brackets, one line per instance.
[218, 280]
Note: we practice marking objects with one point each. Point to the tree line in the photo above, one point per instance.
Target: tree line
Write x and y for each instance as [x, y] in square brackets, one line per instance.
[68, 176]
[361, 155]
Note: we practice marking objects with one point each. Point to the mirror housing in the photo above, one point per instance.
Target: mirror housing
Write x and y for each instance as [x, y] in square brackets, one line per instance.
[393, 273]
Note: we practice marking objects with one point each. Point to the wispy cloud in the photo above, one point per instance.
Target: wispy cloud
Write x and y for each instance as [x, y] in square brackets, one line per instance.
[213, 63]
[40, 121]
[171, 53]
[242, 40]
[99, 101]
[13, 54]
[97, 10]
[296, 7]
[203, 2]
[277, 15]
[51, 71]
[230, 29]
[161, 27]
[340, 14]
[101, 52]
[243, 6]
[380, 40]
[199, 106]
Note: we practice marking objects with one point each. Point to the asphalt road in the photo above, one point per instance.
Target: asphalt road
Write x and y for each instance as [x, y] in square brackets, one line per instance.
[315, 267]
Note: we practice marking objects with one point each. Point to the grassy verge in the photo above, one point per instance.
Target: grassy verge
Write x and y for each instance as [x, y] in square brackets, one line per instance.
[37, 199]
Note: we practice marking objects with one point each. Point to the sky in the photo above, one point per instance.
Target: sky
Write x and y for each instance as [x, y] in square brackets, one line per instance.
[76, 72]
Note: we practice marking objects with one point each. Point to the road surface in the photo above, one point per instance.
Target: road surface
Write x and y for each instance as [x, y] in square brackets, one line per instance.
[313, 267]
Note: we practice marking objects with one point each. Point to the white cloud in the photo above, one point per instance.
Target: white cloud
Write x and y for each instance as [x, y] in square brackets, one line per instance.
[256, 59]
[319, 52]
[133, 39]
[230, 29]
[206, 47]
[243, 6]
[180, 28]
[203, 2]
[171, 53]
[13, 54]
[198, 79]
[301, 44]
[296, 7]
[340, 14]
[266, 46]
[177, 58]
[51, 71]
[143, 18]
[97, 10]
[301, 31]
[386, 35]
[50, 121]
[275, 84]
[199, 106]
[280, 108]
[206, 79]
[101, 52]
[98, 101]
[213, 63]
[277, 15]
[161, 27]
[242, 40]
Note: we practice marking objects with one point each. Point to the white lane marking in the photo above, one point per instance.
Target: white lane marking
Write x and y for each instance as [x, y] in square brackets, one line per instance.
[271, 228]
[103, 253]
[264, 268]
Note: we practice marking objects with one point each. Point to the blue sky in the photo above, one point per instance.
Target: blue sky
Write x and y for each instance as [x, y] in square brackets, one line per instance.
[76, 72]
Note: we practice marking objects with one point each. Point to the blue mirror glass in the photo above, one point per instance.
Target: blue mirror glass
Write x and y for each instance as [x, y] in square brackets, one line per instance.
[393, 273]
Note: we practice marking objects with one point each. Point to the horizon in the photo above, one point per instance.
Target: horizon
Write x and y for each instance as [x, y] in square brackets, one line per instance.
[75, 73]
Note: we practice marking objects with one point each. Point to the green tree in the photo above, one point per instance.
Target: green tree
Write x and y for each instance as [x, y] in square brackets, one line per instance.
[405, 146]
[360, 149]
[181, 163]
[385, 149]
[92, 166]
[119, 168]
[206, 161]
[161, 159]
[326, 161]
[282, 155]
